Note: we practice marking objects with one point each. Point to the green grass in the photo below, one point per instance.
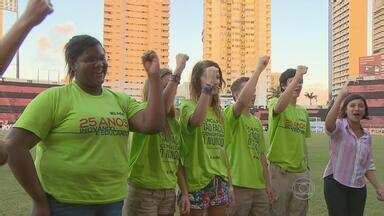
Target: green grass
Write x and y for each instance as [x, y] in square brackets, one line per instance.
[318, 153]
[14, 201]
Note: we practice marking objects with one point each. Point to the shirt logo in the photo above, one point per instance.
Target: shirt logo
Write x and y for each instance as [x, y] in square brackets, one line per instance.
[169, 149]
[104, 126]
[213, 131]
[253, 138]
[295, 126]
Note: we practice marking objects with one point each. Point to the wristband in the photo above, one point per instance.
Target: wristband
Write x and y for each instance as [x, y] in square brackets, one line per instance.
[175, 78]
[207, 89]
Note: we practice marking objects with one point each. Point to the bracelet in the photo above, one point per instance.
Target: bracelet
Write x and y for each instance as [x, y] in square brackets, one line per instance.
[175, 78]
[207, 89]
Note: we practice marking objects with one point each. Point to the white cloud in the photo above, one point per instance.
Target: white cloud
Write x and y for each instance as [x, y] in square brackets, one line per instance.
[64, 29]
[44, 45]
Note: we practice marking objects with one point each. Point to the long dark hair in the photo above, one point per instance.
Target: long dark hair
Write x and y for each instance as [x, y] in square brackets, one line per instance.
[195, 86]
[347, 100]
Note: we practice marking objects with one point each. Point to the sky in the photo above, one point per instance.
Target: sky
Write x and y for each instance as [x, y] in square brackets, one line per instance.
[299, 36]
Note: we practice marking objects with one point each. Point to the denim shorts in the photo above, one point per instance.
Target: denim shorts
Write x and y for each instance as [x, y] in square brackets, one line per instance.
[66, 209]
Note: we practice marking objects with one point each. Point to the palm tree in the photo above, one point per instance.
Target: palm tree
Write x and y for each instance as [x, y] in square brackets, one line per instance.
[310, 96]
[273, 92]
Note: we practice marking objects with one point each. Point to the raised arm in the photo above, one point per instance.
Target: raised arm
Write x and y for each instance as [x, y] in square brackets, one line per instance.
[152, 118]
[19, 142]
[209, 83]
[286, 96]
[330, 120]
[170, 90]
[249, 89]
[35, 13]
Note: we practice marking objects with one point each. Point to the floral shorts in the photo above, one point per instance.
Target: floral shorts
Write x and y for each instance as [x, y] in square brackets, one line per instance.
[216, 193]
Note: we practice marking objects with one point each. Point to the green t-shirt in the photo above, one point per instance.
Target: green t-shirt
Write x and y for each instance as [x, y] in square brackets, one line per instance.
[245, 144]
[203, 152]
[154, 159]
[82, 157]
[287, 133]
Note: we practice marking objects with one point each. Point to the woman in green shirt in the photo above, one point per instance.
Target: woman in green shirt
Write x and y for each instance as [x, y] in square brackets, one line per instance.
[155, 166]
[203, 154]
[81, 133]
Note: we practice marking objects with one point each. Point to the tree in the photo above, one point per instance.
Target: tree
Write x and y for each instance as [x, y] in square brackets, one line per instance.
[273, 92]
[310, 96]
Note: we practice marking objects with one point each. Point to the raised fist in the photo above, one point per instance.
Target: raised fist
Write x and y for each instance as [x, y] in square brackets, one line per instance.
[301, 70]
[181, 61]
[151, 62]
[36, 12]
[263, 62]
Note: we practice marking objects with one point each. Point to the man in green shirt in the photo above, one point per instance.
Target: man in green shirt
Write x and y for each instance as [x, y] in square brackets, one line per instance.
[246, 149]
[288, 128]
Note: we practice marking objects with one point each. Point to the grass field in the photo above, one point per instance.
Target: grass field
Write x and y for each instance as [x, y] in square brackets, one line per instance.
[14, 201]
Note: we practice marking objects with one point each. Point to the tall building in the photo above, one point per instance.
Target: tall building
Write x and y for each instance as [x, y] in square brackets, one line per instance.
[236, 33]
[130, 28]
[378, 27]
[7, 5]
[330, 64]
[349, 36]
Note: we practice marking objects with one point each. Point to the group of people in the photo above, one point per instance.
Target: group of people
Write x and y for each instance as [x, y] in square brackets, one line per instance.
[100, 152]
